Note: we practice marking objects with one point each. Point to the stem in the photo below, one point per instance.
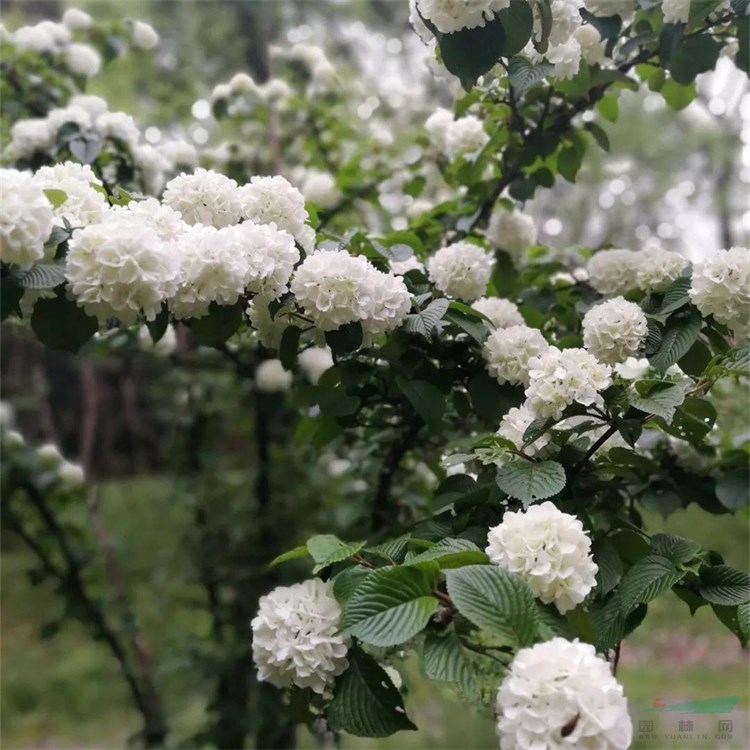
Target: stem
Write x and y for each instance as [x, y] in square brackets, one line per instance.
[599, 443]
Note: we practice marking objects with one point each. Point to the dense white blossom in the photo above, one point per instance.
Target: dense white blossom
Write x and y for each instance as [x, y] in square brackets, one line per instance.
[77, 20]
[632, 368]
[296, 638]
[89, 103]
[507, 352]
[549, 549]
[560, 695]
[453, 15]
[622, 8]
[49, 456]
[566, 58]
[165, 221]
[179, 153]
[460, 270]
[437, 125]
[566, 19]
[269, 329]
[513, 427]
[164, 347]
[502, 312]
[400, 267]
[592, 44]
[320, 188]
[512, 231]
[118, 125]
[83, 204]
[275, 200]
[561, 377]
[25, 219]
[271, 377]
[82, 60]
[657, 268]
[720, 286]
[613, 271]
[143, 35]
[205, 197]
[614, 330]
[121, 269]
[675, 11]
[315, 361]
[465, 135]
[29, 136]
[70, 476]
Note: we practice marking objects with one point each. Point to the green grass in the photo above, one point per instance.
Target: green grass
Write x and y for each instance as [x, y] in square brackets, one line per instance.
[65, 691]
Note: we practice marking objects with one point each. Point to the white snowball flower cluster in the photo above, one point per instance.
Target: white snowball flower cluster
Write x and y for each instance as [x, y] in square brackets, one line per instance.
[271, 377]
[456, 137]
[592, 44]
[566, 44]
[82, 60]
[295, 636]
[83, 204]
[513, 427]
[622, 8]
[315, 361]
[559, 695]
[550, 550]
[502, 313]
[613, 271]
[320, 188]
[720, 286]
[143, 35]
[26, 218]
[45, 36]
[566, 20]
[675, 11]
[632, 368]
[657, 268]
[508, 351]
[461, 270]
[268, 200]
[512, 231]
[561, 377]
[335, 288]
[70, 476]
[401, 267]
[205, 197]
[269, 329]
[77, 20]
[165, 221]
[448, 16]
[121, 269]
[320, 69]
[614, 330]
[565, 57]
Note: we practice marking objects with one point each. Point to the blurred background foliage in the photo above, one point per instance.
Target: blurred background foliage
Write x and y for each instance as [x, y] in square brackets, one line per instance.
[184, 527]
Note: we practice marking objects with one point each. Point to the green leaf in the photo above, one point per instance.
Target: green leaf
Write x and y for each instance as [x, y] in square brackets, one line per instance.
[60, 324]
[216, 327]
[446, 660]
[676, 548]
[736, 360]
[158, 326]
[426, 399]
[743, 621]
[56, 197]
[693, 420]
[523, 73]
[733, 488]
[693, 55]
[391, 605]
[289, 346]
[347, 582]
[730, 616]
[610, 622]
[495, 600]
[676, 296]
[676, 95]
[721, 584]
[327, 549]
[569, 162]
[679, 336]
[648, 578]
[544, 15]
[292, 554]
[42, 275]
[609, 108]
[529, 481]
[609, 564]
[658, 397]
[346, 339]
[365, 702]
[452, 553]
[469, 322]
[10, 296]
[424, 322]
[701, 9]
[600, 135]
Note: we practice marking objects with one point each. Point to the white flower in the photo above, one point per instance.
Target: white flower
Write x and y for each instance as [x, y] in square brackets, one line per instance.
[580, 274]
[34, 38]
[83, 204]
[143, 35]
[242, 83]
[632, 368]
[460, 270]
[70, 476]
[320, 188]
[269, 329]
[566, 58]
[295, 636]
[437, 125]
[25, 219]
[49, 456]
[453, 15]
[271, 377]
[212, 269]
[401, 267]
[7, 414]
[560, 695]
[335, 288]
[512, 231]
[180, 153]
[550, 550]
[502, 312]
[656, 269]
[93, 105]
[566, 19]
[686, 456]
[315, 361]
[119, 126]
[29, 136]
[165, 221]
[592, 44]
[613, 271]
[466, 135]
[204, 197]
[720, 286]
[152, 165]
[164, 347]
[82, 60]
[613, 330]
[12, 439]
[622, 8]
[270, 255]
[675, 11]
[121, 269]
[562, 279]
[514, 425]
[60, 116]
[560, 377]
[507, 353]
[77, 20]
[268, 200]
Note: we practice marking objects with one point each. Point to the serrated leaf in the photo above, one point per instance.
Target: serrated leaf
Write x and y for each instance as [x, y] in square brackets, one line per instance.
[391, 605]
[60, 324]
[41, 276]
[327, 549]
[743, 620]
[424, 322]
[529, 481]
[723, 585]
[676, 548]
[677, 339]
[609, 564]
[347, 581]
[658, 397]
[523, 73]
[733, 488]
[292, 554]
[648, 578]
[495, 600]
[736, 360]
[365, 702]
[611, 624]
[347, 338]
[446, 660]
[452, 553]
[676, 296]
[216, 327]
[426, 400]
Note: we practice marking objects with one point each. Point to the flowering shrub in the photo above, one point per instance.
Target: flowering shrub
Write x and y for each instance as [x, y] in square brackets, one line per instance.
[451, 340]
